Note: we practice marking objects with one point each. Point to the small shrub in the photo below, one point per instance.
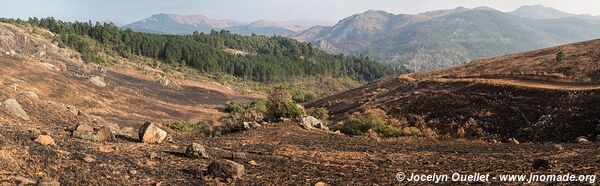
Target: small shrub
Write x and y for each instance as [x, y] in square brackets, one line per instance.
[209, 129]
[357, 125]
[280, 109]
[234, 108]
[280, 95]
[183, 126]
[319, 113]
[259, 106]
[252, 115]
[560, 57]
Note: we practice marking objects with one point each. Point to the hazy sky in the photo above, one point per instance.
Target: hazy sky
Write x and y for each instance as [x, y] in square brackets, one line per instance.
[127, 11]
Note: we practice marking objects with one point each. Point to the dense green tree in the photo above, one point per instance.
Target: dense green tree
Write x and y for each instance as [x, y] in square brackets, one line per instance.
[268, 59]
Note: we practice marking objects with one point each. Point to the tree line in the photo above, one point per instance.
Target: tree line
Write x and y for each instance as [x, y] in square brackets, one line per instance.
[268, 59]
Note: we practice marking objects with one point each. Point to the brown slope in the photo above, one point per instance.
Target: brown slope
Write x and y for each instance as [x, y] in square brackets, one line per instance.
[525, 95]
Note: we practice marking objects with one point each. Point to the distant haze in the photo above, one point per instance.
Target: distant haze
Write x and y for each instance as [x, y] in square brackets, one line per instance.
[325, 11]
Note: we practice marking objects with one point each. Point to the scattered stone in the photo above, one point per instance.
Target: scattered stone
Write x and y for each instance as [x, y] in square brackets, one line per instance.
[559, 147]
[250, 125]
[582, 139]
[98, 81]
[597, 138]
[239, 155]
[133, 172]
[48, 182]
[13, 107]
[226, 169]
[49, 66]
[105, 134]
[72, 109]
[252, 162]
[196, 151]
[89, 159]
[22, 180]
[153, 155]
[35, 132]
[541, 164]
[513, 141]
[45, 140]
[321, 184]
[13, 86]
[151, 133]
[31, 95]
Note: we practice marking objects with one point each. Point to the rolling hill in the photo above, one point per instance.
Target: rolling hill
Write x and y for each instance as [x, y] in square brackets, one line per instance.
[445, 38]
[530, 96]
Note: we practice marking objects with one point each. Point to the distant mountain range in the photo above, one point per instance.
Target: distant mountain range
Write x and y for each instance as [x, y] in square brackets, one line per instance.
[187, 24]
[444, 38]
[421, 42]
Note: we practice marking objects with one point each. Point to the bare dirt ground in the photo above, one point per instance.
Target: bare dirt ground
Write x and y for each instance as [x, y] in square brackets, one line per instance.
[283, 153]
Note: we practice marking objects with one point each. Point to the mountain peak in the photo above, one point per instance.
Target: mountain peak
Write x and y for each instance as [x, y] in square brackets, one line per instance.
[540, 12]
[486, 8]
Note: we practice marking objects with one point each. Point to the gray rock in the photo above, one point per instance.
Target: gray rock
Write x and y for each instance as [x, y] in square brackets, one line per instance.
[598, 128]
[151, 133]
[196, 151]
[13, 107]
[250, 125]
[541, 164]
[98, 81]
[226, 169]
[309, 122]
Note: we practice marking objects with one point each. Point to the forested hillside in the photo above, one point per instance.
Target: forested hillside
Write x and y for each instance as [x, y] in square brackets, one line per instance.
[263, 59]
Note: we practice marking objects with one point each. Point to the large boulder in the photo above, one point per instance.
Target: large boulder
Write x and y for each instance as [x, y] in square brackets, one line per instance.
[226, 169]
[196, 151]
[13, 107]
[151, 133]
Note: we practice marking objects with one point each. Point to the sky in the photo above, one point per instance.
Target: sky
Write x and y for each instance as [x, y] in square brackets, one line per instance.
[128, 11]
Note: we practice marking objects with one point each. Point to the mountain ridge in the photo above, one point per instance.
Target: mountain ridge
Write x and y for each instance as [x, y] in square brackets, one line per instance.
[446, 38]
[187, 24]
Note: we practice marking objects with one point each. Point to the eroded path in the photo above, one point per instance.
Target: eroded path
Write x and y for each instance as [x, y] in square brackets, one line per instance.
[538, 84]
